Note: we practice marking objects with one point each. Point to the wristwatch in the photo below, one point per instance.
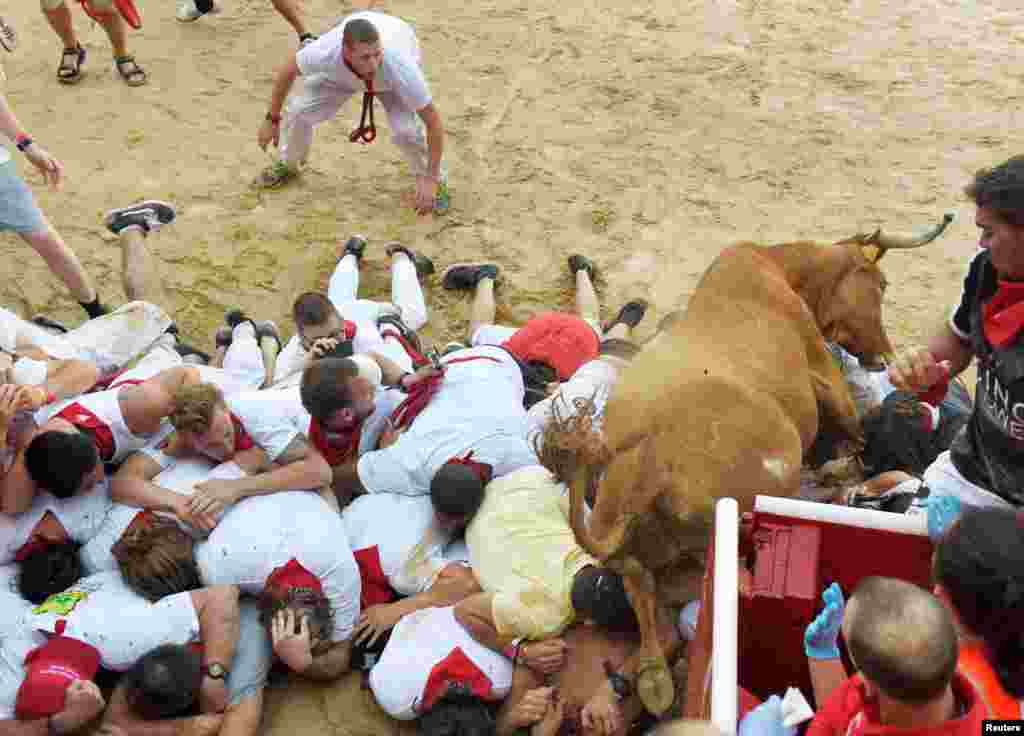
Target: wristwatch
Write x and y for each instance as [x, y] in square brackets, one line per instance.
[215, 670]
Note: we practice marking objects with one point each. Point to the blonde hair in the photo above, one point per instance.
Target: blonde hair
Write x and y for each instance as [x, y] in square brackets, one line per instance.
[193, 407]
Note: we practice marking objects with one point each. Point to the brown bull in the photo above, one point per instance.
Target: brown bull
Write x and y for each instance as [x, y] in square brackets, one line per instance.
[725, 404]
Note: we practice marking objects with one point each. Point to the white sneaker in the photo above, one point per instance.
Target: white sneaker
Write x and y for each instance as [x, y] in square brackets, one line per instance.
[188, 12]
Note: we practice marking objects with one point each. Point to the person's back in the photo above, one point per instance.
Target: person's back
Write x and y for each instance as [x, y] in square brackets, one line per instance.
[527, 511]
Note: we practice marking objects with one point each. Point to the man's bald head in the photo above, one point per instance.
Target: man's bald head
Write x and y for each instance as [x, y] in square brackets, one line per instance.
[902, 639]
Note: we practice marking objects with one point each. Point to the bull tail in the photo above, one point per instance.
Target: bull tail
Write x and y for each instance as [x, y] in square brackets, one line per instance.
[581, 481]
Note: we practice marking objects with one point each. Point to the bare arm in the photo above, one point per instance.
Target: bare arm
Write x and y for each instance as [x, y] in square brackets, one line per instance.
[918, 370]
[17, 488]
[15, 727]
[283, 82]
[475, 615]
[120, 714]
[67, 378]
[243, 719]
[301, 468]
[947, 345]
[131, 485]
[435, 139]
[217, 609]
[332, 664]
[524, 679]
[826, 676]
[9, 124]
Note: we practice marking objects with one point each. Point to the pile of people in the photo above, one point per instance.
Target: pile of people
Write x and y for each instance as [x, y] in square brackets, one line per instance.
[353, 500]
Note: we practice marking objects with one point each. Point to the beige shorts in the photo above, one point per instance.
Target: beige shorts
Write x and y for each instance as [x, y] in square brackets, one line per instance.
[100, 5]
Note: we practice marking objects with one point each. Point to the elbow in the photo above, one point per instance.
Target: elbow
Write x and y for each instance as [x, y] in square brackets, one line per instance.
[89, 374]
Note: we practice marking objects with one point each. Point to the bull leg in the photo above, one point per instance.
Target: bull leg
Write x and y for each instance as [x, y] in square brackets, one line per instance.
[653, 680]
[835, 402]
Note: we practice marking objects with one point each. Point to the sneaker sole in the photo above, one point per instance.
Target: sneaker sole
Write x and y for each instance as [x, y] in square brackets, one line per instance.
[154, 204]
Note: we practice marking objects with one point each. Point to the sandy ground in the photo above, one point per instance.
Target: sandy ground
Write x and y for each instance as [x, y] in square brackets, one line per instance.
[647, 135]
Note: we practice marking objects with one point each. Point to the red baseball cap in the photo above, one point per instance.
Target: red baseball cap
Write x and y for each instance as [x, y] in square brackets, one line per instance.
[49, 670]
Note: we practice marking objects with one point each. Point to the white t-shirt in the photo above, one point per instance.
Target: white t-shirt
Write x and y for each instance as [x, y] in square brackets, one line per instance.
[478, 408]
[401, 529]
[399, 75]
[81, 516]
[419, 643]
[268, 418]
[102, 611]
[180, 476]
[260, 534]
[16, 641]
[292, 359]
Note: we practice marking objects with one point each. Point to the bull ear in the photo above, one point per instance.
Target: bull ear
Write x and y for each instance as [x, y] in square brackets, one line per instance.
[873, 252]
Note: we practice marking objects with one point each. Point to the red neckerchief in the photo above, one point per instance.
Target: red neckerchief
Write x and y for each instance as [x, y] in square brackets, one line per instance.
[376, 588]
[1004, 313]
[293, 575]
[344, 447]
[350, 329]
[415, 356]
[367, 130]
[36, 542]
[82, 418]
[423, 391]
[483, 471]
[243, 441]
[455, 669]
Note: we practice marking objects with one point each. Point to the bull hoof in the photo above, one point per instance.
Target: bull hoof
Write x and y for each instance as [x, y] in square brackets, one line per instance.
[654, 686]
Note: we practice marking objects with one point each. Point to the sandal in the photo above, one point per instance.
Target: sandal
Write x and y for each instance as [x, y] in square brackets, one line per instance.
[132, 74]
[70, 69]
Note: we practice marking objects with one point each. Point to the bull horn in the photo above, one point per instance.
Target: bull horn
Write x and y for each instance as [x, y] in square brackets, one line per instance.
[896, 242]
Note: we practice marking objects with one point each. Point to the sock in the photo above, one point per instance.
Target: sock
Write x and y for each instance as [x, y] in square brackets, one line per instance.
[94, 309]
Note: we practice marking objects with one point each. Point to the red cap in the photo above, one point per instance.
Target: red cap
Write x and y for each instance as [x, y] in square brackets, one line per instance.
[49, 670]
[563, 341]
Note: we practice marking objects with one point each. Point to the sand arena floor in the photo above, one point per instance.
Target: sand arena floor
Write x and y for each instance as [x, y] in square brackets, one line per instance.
[646, 135]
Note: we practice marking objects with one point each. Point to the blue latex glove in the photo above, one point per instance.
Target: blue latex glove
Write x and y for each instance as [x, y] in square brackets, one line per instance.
[822, 633]
[942, 512]
[765, 720]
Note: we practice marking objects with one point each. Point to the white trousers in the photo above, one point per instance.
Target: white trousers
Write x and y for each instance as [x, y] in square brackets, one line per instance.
[316, 101]
[407, 302]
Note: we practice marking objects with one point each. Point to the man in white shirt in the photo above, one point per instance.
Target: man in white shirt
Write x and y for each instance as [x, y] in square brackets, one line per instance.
[288, 548]
[455, 431]
[400, 548]
[375, 54]
[358, 325]
[432, 667]
[100, 621]
[249, 428]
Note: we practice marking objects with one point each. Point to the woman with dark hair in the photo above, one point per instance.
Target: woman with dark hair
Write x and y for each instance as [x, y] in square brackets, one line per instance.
[978, 567]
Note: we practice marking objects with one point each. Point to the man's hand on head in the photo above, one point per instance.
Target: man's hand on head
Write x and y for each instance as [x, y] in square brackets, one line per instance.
[83, 701]
[293, 648]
